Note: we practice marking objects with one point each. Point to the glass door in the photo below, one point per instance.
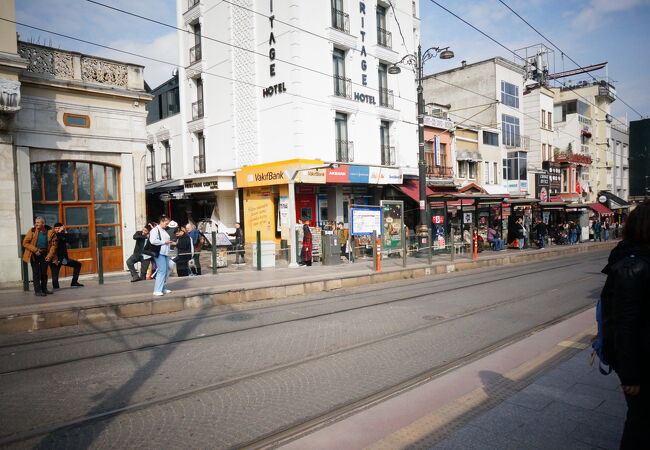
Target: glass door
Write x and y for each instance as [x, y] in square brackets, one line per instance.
[81, 242]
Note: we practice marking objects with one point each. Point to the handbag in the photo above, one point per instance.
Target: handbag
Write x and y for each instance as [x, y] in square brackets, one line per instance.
[150, 249]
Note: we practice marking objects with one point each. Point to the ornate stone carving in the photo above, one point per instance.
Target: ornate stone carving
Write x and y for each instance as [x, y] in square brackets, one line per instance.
[41, 59]
[9, 95]
[63, 65]
[103, 72]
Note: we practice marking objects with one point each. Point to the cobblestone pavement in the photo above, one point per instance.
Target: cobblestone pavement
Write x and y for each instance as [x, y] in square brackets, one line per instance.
[261, 369]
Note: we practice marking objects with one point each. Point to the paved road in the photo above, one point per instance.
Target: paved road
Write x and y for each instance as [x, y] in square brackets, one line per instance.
[224, 377]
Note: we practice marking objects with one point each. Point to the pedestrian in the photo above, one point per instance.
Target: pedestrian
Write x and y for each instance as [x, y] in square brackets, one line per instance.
[492, 237]
[542, 232]
[520, 233]
[344, 235]
[597, 231]
[159, 238]
[617, 230]
[606, 230]
[238, 244]
[184, 252]
[572, 233]
[198, 240]
[40, 249]
[140, 238]
[306, 251]
[63, 259]
[626, 323]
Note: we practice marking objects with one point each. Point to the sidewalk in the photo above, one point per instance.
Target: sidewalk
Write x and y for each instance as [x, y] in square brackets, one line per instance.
[537, 393]
[118, 298]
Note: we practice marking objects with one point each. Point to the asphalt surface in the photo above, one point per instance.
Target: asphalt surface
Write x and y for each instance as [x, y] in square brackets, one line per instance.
[224, 377]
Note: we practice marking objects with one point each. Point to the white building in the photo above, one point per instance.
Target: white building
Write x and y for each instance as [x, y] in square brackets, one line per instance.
[619, 145]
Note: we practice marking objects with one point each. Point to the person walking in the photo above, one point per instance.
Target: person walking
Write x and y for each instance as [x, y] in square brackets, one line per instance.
[344, 235]
[306, 251]
[40, 249]
[238, 244]
[159, 238]
[63, 259]
[626, 323]
[140, 238]
[197, 241]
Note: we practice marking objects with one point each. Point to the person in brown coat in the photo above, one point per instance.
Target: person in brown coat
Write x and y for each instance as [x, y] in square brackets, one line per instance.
[40, 250]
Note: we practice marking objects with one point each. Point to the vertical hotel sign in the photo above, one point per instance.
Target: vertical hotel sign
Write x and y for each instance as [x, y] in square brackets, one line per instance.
[436, 150]
[277, 88]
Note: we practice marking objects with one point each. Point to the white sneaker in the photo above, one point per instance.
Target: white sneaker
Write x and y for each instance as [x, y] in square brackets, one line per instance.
[158, 294]
[167, 291]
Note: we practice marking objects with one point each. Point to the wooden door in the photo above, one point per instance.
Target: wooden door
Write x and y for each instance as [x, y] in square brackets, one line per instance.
[81, 237]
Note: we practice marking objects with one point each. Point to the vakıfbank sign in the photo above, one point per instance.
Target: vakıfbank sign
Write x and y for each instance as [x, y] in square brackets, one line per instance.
[272, 173]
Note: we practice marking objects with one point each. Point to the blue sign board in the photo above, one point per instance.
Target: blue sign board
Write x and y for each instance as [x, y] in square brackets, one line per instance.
[366, 220]
[359, 174]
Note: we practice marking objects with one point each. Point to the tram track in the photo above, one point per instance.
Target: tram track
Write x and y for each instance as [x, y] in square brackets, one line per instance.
[334, 414]
[344, 296]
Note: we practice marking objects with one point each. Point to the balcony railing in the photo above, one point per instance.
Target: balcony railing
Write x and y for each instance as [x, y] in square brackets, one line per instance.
[165, 171]
[151, 174]
[197, 110]
[439, 171]
[384, 38]
[342, 86]
[386, 97]
[387, 155]
[195, 54]
[340, 20]
[199, 164]
[344, 151]
[191, 4]
[519, 142]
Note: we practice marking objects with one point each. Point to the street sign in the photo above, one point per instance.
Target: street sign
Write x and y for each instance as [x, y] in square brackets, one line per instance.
[165, 197]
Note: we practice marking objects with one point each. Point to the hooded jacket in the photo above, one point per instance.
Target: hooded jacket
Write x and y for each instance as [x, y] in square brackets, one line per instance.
[625, 303]
[29, 243]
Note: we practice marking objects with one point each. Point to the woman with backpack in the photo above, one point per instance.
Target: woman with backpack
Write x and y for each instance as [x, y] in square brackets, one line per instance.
[625, 309]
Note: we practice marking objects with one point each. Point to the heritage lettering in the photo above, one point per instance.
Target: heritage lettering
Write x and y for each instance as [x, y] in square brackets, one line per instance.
[364, 65]
[275, 89]
[279, 87]
[363, 98]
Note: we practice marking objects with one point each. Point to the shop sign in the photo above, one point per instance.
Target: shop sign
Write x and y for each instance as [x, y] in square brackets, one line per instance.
[271, 174]
[365, 221]
[373, 175]
[312, 176]
[436, 122]
[278, 88]
[337, 175]
[192, 186]
[542, 186]
[358, 174]
[390, 176]
[305, 189]
[438, 219]
[165, 197]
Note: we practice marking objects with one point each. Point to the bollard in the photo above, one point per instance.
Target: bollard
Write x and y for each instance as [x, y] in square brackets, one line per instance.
[378, 253]
[452, 245]
[213, 249]
[374, 251]
[404, 246]
[352, 249]
[24, 268]
[297, 249]
[475, 245]
[259, 250]
[430, 252]
[100, 258]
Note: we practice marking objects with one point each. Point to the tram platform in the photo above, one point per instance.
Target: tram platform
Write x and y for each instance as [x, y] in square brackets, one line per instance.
[539, 392]
[117, 298]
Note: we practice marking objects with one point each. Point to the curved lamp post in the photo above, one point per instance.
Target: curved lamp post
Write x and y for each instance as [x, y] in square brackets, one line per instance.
[417, 62]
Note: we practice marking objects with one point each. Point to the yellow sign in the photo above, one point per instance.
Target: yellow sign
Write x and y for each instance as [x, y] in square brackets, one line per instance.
[271, 173]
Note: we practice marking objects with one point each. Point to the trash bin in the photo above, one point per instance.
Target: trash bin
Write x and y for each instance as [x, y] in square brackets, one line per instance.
[268, 254]
[330, 249]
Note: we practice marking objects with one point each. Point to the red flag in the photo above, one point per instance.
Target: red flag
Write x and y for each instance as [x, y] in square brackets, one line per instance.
[578, 188]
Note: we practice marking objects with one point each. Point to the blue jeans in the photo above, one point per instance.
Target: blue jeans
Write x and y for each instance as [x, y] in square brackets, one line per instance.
[606, 232]
[497, 243]
[162, 262]
[542, 242]
[522, 241]
[572, 237]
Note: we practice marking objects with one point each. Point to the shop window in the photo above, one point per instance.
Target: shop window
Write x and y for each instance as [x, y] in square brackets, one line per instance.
[83, 181]
[99, 183]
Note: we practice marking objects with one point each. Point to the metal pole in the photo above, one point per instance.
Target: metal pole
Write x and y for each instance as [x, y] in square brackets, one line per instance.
[422, 176]
[259, 250]
[293, 232]
[404, 246]
[374, 251]
[213, 248]
[296, 251]
[24, 268]
[100, 258]
[452, 244]
[430, 252]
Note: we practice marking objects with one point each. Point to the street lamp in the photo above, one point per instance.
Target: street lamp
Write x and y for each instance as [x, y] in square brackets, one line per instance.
[417, 62]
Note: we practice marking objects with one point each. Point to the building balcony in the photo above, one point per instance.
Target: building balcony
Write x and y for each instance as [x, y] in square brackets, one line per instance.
[342, 87]
[199, 164]
[197, 110]
[436, 171]
[195, 54]
[344, 151]
[386, 98]
[384, 38]
[340, 21]
[151, 174]
[387, 155]
[520, 142]
[165, 171]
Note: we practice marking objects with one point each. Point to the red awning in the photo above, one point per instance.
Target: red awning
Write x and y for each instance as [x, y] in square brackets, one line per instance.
[412, 189]
[601, 209]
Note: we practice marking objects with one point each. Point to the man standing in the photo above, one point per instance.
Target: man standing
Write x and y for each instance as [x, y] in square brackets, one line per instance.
[140, 238]
[239, 243]
[542, 233]
[197, 241]
[63, 260]
[40, 250]
[344, 235]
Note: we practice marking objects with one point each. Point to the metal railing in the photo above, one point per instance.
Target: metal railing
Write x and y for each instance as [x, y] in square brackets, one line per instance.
[199, 164]
[384, 38]
[344, 151]
[197, 109]
[191, 4]
[342, 86]
[340, 20]
[151, 174]
[387, 155]
[165, 171]
[195, 54]
[386, 98]
[520, 142]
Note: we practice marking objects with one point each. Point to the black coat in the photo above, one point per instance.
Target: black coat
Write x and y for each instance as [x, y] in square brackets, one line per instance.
[62, 247]
[140, 241]
[626, 312]
[184, 248]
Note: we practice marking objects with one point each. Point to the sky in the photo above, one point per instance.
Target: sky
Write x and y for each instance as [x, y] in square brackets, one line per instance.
[589, 31]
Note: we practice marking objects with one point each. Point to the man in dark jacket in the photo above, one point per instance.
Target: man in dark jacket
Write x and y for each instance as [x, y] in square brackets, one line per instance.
[239, 243]
[626, 323]
[140, 238]
[63, 259]
[542, 232]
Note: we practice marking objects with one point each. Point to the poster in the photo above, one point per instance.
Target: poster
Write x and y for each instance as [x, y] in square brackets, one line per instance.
[467, 217]
[365, 221]
[393, 221]
[283, 212]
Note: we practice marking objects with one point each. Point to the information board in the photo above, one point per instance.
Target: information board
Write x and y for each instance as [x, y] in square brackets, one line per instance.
[366, 220]
[393, 220]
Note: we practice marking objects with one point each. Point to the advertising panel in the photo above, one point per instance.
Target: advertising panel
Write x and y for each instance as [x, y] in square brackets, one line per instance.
[312, 176]
[358, 174]
[366, 220]
[542, 186]
[390, 176]
[337, 175]
[393, 220]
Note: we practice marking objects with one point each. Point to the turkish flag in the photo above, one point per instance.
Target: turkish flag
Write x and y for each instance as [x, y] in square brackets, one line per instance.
[578, 188]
